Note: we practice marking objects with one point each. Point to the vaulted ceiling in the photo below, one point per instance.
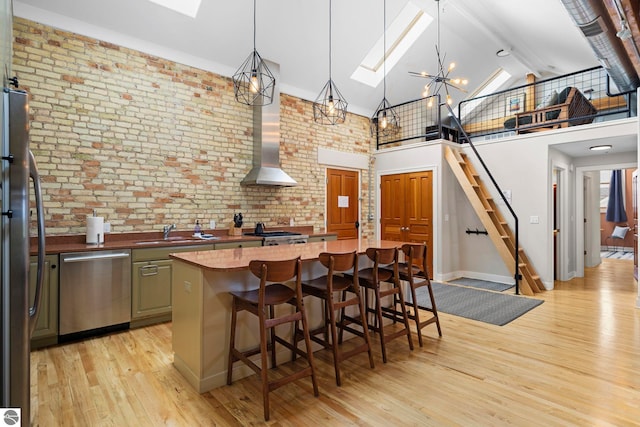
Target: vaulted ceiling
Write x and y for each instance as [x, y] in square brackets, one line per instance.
[540, 35]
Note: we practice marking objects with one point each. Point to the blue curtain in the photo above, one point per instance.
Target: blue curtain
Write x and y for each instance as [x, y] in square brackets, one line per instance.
[615, 208]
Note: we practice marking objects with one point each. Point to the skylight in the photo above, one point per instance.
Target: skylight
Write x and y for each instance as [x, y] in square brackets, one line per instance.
[492, 85]
[186, 7]
[401, 34]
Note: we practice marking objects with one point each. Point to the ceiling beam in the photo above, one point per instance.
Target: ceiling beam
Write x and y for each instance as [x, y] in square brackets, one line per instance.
[630, 10]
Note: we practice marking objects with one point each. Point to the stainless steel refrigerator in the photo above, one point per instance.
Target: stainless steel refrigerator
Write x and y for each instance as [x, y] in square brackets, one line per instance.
[18, 310]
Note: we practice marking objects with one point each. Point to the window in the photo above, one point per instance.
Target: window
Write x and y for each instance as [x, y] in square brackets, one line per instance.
[401, 34]
[186, 7]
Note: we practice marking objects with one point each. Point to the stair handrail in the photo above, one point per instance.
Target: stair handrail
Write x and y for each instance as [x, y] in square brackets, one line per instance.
[517, 275]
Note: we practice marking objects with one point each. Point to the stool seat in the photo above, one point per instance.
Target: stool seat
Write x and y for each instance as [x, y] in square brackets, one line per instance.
[384, 270]
[367, 276]
[261, 302]
[340, 283]
[276, 294]
[333, 289]
[415, 272]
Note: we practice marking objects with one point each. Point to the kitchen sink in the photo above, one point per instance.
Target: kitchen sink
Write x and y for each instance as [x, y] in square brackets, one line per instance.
[172, 239]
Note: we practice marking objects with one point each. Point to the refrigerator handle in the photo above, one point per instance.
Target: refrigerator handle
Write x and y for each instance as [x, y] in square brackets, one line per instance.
[35, 309]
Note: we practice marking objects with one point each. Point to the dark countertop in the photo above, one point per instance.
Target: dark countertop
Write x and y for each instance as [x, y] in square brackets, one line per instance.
[77, 242]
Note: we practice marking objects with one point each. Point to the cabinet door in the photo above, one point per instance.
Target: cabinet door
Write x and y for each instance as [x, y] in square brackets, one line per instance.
[406, 206]
[47, 323]
[151, 288]
[236, 245]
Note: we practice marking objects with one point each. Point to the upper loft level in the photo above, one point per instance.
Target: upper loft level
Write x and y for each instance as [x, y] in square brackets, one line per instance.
[575, 99]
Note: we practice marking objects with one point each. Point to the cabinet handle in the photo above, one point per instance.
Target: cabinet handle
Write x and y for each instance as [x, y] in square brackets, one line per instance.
[148, 270]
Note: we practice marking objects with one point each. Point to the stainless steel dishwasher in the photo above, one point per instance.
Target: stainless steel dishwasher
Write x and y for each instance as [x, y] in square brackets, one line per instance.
[95, 290]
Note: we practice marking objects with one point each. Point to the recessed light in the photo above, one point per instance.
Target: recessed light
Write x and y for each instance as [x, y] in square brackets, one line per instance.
[601, 147]
[503, 52]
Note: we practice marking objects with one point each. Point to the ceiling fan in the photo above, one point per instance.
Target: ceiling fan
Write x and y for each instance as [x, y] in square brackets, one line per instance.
[441, 79]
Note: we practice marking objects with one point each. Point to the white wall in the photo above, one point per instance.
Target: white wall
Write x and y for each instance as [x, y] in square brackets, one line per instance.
[524, 165]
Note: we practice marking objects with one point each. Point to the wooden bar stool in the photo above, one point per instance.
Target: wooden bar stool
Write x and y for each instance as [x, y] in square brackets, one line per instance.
[385, 269]
[261, 302]
[415, 272]
[332, 288]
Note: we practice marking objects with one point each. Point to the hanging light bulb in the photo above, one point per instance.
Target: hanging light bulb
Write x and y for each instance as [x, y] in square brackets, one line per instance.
[385, 121]
[253, 83]
[449, 100]
[254, 86]
[330, 107]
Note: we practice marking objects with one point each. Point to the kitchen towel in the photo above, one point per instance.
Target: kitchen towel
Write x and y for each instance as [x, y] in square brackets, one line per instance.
[95, 229]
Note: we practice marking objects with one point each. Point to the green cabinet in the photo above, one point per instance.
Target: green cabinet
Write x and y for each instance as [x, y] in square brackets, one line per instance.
[151, 283]
[46, 330]
[235, 245]
[323, 238]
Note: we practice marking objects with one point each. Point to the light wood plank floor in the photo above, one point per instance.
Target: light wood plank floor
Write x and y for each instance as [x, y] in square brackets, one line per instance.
[574, 360]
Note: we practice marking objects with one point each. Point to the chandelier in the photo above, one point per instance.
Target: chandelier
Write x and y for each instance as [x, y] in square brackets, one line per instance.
[441, 80]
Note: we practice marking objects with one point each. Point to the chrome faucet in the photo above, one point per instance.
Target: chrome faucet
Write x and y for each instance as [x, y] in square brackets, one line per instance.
[167, 229]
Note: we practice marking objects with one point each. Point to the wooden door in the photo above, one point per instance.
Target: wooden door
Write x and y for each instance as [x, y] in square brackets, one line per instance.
[392, 207]
[342, 203]
[406, 206]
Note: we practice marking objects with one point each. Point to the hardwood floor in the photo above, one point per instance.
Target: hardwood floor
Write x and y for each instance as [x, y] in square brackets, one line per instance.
[574, 360]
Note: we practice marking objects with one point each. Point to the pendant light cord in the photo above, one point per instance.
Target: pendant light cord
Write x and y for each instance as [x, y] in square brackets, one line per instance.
[254, 25]
[329, 40]
[384, 49]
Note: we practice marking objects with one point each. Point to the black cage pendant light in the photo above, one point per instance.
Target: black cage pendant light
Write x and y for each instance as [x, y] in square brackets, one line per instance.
[330, 107]
[253, 83]
[385, 121]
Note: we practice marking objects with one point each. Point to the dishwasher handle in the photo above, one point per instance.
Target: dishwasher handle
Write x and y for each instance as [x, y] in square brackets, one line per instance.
[94, 257]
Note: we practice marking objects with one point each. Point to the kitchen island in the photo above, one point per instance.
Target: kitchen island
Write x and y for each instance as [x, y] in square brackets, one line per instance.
[202, 304]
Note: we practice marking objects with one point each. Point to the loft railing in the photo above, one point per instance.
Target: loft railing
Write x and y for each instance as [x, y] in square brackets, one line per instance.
[527, 108]
[545, 104]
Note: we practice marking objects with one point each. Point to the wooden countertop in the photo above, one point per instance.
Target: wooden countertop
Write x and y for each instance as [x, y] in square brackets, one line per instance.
[77, 242]
[238, 259]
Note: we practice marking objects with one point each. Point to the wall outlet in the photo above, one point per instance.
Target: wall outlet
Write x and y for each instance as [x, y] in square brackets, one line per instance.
[106, 227]
[187, 287]
[212, 224]
[534, 219]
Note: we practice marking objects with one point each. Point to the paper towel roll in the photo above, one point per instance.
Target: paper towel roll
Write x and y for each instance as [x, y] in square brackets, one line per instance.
[95, 229]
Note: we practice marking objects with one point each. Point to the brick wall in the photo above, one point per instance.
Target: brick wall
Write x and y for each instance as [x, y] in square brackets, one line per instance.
[146, 141]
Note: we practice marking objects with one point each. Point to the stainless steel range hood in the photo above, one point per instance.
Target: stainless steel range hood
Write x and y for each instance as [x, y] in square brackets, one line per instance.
[266, 142]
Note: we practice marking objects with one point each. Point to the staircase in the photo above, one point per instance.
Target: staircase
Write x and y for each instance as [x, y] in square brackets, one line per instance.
[497, 228]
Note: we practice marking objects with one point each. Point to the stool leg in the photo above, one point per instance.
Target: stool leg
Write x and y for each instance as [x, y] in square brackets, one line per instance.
[307, 340]
[433, 307]
[232, 342]
[273, 338]
[263, 358]
[334, 335]
[365, 328]
[378, 323]
[416, 315]
[404, 314]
